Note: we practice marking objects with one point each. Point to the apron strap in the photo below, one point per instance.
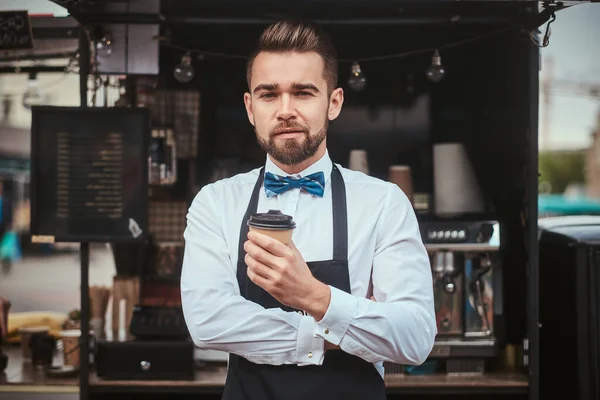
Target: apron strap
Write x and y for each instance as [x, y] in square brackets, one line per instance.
[340, 215]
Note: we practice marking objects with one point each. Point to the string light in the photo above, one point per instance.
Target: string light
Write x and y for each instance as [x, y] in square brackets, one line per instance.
[184, 72]
[435, 72]
[104, 46]
[33, 94]
[357, 80]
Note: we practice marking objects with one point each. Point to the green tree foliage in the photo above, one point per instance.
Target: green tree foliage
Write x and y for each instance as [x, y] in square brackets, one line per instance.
[560, 168]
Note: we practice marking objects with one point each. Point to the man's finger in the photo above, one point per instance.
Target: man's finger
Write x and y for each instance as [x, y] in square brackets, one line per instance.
[271, 245]
[257, 279]
[260, 254]
[259, 268]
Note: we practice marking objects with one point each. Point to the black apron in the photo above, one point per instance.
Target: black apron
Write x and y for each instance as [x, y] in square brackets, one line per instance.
[342, 376]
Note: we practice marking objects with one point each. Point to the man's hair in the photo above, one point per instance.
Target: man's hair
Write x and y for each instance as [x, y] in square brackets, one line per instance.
[301, 37]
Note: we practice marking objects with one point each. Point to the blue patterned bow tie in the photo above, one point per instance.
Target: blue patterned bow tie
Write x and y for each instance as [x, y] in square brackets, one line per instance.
[313, 184]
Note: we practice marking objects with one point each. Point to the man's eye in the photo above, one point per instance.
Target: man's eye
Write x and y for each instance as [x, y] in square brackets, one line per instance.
[303, 94]
[267, 95]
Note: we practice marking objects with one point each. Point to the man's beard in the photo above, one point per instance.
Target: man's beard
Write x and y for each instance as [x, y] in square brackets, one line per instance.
[291, 152]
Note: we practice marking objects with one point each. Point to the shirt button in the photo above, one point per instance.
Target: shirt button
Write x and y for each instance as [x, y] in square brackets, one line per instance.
[326, 331]
[309, 355]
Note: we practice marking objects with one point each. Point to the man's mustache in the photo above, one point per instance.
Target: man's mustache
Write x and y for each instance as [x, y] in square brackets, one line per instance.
[288, 125]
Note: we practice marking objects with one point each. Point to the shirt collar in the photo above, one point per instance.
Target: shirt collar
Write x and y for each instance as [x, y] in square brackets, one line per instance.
[323, 164]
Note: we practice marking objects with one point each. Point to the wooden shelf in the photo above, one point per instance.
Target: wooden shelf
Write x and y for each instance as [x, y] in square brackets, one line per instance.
[211, 379]
[23, 377]
[495, 382]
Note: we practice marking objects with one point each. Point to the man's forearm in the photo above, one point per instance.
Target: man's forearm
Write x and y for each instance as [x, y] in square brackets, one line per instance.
[401, 331]
[266, 336]
[317, 303]
[331, 346]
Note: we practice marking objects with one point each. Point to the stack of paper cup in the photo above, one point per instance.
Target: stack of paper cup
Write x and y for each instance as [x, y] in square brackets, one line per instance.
[456, 188]
[401, 176]
[358, 161]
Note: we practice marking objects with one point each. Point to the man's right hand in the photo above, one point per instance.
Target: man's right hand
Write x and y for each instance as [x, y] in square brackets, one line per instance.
[331, 346]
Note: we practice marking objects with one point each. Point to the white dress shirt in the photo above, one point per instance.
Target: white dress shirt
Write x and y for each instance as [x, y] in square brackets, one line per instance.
[386, 258]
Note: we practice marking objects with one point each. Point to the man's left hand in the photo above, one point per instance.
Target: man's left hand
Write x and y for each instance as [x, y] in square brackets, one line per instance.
[282, 271]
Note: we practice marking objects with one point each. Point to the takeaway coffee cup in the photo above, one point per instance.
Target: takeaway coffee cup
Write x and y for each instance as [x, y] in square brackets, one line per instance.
[70, 339]
[274, 224]
[26, 334]
[42, 347]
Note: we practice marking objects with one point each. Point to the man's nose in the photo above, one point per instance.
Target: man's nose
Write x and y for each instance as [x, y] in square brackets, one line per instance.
[286, 109]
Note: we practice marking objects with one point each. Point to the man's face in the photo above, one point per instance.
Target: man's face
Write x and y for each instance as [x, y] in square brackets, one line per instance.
[289, 105]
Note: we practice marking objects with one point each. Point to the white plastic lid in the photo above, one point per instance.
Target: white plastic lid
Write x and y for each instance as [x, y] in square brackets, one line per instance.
[70, 333]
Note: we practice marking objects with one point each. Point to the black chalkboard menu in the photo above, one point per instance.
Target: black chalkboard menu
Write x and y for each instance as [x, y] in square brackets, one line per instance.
[15, 30]
[89, 174]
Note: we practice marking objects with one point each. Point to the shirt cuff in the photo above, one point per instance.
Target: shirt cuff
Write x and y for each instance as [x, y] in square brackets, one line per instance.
[339, 314]
[310, 348]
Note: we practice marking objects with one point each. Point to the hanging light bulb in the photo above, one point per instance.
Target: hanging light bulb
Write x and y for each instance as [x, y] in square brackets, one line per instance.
[435, 72]
[104, 46]
[357, 80]
[184, 72]
[33, 94]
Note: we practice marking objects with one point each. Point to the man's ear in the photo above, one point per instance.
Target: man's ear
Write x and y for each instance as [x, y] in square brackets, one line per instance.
[248, 104]
[335, 103]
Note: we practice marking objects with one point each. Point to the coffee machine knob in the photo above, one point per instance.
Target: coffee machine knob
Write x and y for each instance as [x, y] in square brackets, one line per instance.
[445, 323]
[485, 233]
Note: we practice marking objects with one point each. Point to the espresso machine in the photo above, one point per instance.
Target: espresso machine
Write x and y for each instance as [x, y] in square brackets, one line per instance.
[466, 268]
